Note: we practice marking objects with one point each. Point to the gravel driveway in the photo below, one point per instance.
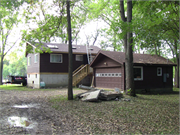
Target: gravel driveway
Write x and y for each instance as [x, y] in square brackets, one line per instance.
[34, 113]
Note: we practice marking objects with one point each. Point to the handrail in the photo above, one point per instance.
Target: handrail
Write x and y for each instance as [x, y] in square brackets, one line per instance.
[81, 73]
[77, 69]
[83, 68]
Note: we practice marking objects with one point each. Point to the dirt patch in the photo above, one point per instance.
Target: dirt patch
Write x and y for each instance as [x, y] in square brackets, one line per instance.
[19, 104]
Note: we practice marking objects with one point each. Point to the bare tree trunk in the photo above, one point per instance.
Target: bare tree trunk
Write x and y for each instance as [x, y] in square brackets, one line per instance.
[70, 91]
[129, 53]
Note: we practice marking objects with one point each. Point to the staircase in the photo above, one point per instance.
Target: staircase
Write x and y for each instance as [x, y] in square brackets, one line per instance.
[80, 73]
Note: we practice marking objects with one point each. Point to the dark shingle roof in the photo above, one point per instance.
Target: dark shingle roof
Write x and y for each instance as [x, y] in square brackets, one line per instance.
[137, 58]
[63, 48]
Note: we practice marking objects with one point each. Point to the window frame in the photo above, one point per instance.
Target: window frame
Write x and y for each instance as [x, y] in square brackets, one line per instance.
[139, 79]
[29, 60]
[58, 55]
[35, 56]
[80, 58]
[160, 71]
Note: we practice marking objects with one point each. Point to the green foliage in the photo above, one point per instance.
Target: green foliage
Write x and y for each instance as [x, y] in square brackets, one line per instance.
[52, 26]
[154, 24]
[15, 64]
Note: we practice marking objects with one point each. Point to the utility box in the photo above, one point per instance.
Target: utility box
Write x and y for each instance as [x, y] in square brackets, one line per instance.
[42, 84]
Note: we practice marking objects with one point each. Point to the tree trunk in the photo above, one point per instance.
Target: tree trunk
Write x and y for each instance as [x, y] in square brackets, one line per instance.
[70, 91]
[1, 69]
[129, 53]
[177, 62]
[129, 71]
[177, 73]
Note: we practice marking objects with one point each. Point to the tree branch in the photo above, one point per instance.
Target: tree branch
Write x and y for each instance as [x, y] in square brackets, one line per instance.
[122, 10]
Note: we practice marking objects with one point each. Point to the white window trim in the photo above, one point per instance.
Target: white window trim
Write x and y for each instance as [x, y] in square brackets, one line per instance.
[56, 62]
[160, 71]
[79, 57]
[29, 60]
[35, 55]
[141, 72]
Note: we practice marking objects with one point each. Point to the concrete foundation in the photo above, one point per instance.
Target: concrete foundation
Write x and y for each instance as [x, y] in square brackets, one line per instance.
[54, 80]
[33, 80]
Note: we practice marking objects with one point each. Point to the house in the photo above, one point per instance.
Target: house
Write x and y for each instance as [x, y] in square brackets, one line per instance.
[151, 72]
[51, 69]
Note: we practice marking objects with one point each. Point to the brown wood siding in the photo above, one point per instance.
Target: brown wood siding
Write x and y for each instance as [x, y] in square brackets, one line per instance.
[151, 80]
[46, 66]
[108, 82]
[106, 62]
[34, 67]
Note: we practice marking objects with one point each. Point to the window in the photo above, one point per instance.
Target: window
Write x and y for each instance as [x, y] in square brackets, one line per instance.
[53, 46]
[35, 58]
[29, 61]
[97, 75]
[108, 74]
[138, 73]
[79, 57]
[29, 75]
[159, 71]
[56, 58]
[35, 75]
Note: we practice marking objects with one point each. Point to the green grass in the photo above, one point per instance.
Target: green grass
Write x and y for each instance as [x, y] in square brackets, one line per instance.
[14, 87]
[145, 114]
[19, 87]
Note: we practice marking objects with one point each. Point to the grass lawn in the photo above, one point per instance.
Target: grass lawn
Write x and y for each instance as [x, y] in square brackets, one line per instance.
[19, 87]
[145, 114]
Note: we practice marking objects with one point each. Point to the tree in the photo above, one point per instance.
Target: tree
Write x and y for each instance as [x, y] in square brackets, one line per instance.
[128, 47]
[8, 21]
[157, 27]
[56, 26]
[50, 21]
[70, 91]
[15, 64]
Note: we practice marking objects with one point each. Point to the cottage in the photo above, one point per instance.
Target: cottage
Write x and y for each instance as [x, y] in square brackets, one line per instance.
[52, 68]
[151, 72]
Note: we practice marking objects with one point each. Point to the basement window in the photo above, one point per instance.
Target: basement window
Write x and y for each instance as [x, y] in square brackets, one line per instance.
[159, 71]
[138, 73]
